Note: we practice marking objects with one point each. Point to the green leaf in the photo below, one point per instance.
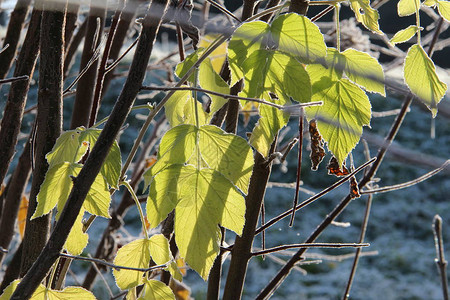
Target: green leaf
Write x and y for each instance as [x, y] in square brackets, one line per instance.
[366, 15]
[156, 290]
[245, 40]
[67, 148]
[42, 293]
[444, 9]
[272, 71]
[271, 121]
[332, 68]
[298, 36]
[72, 292]
[228, 154]
[408, 7]
[210, 80]
[180, 109]
[184, 66]
[9, 290]
[203, 198]
[56, 188]
[176, 147]
[364, 70]
[135, 255]
[430, 2]
[112, 166]
[421, 78]
[340, 119]
[405, 35]
[77, 239]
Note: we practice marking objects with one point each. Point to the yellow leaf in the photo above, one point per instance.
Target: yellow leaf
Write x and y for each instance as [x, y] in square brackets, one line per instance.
[218, 56]
[22, 216]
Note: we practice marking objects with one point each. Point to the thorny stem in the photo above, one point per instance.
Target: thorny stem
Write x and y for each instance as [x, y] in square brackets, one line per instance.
[440, 257]
[138, 205]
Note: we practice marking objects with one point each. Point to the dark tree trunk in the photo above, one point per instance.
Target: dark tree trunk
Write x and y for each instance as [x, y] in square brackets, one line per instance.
[48, 123]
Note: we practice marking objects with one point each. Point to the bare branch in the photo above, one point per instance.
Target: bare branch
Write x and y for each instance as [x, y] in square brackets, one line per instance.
[310, 245]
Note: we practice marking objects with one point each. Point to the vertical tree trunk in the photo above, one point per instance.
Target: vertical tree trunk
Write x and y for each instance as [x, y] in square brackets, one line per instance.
[13, 35]
[86, 85]
[96, 158]
[48, 121]
[12, 117]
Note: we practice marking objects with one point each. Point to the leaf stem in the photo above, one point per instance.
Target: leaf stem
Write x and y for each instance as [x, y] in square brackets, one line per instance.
[417, 22]
[138, 204]
[337, 9]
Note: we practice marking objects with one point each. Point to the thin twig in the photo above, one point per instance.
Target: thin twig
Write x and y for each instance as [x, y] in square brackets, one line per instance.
[406, 184]
[315, 197]
[362, 235]
[310, 245]
[440, 260]
[224, 10]
[3, 250]
[117, 61]
[12, 79]
[116, 267]
[288, 108]
[299, 166]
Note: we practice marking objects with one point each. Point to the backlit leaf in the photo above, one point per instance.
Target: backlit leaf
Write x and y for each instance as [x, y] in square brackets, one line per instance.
[180, 109]
[72, 292]
[275, 72]
[366, 14]
[112, 166]
[430, 2]
[408, 7]
[219, 55]
[245, 40]
[271, 121]
[405, 35]
[77, 239]
[203, 198]
[68, 148]
[421, 78]
[346, 109]
[364, 70]
[56, 188]
[184, 66]
[210, 80]
[298, 36]
[444, 9]
[156, 290]
[229, 154]
[136, 255]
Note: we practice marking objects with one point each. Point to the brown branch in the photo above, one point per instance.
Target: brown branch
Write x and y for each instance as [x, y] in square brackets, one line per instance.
[13, 79]
[315, 197]
[299, 166]
[87, 83]
[73, 47]
[310, 245]
[93, 163]
[48, 122]
[12, 37]
[14, 109]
